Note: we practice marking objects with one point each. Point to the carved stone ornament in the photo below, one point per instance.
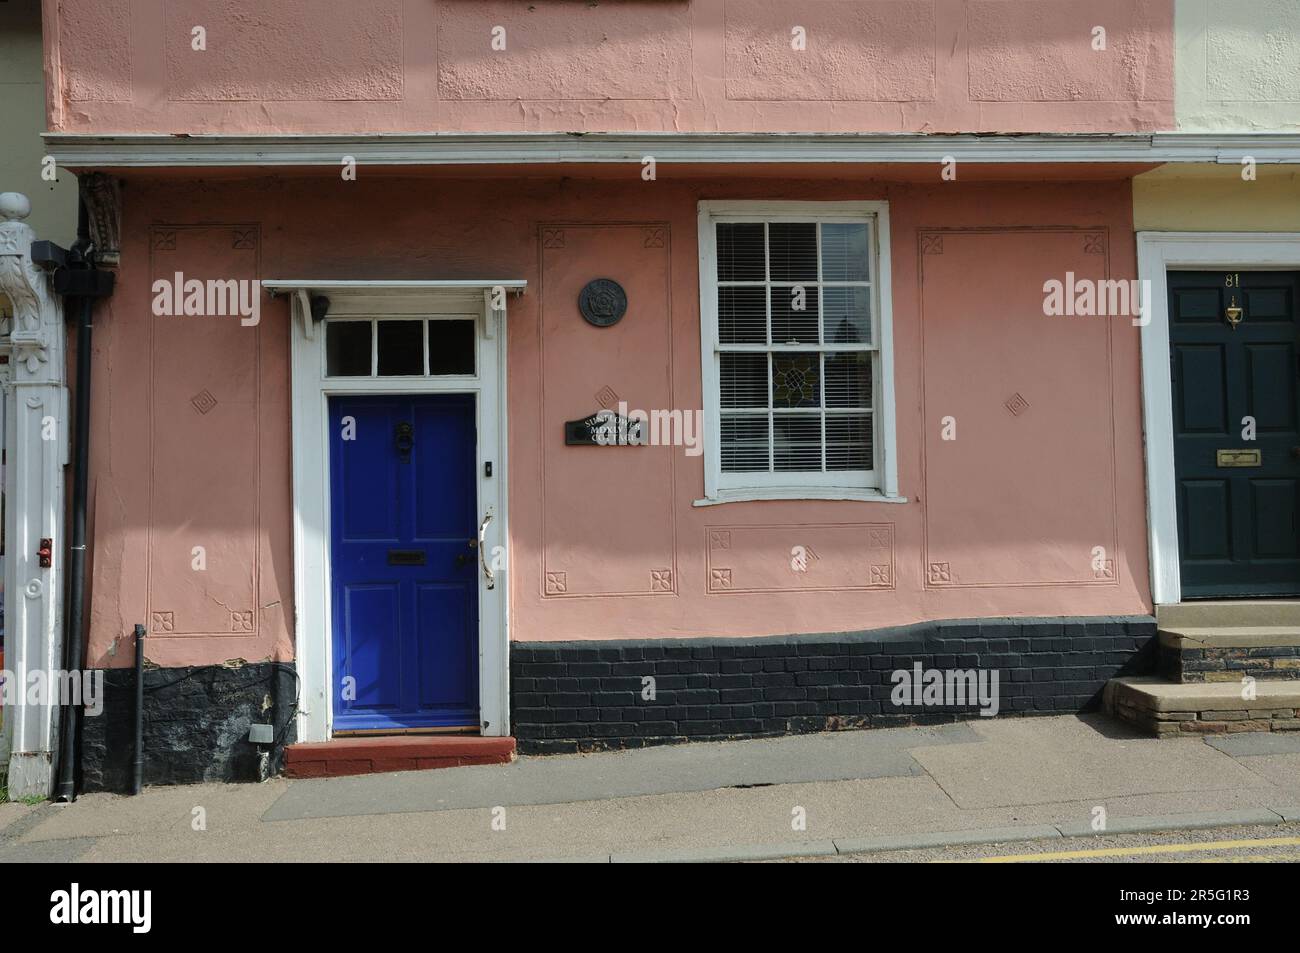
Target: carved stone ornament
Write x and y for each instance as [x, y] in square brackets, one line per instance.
[34, 333]
[103, 199]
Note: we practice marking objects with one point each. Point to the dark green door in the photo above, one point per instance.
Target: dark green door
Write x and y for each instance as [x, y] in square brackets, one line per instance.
[1237, 496]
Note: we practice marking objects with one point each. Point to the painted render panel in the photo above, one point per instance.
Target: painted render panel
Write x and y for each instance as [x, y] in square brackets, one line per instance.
[967, 340]
[190, 453]
[322, 66]
[1238, 65]
[1215, 198]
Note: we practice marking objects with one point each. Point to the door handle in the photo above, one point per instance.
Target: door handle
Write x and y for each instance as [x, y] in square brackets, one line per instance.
[482, 552]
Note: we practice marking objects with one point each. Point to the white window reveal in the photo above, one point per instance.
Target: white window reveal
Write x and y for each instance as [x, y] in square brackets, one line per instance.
[797, 351]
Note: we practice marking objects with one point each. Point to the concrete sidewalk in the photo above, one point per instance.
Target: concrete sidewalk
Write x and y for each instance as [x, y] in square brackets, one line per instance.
[999, 780]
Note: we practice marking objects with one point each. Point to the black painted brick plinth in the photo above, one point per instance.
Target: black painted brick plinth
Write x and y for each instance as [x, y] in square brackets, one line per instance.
[196, 722]
[586, 696]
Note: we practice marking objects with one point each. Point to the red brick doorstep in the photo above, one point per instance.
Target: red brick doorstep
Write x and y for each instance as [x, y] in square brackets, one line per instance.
[376, 754]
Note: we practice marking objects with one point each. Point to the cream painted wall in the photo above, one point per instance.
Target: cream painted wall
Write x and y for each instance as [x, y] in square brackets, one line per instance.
[1195, 198]
[1237, 65]
[22, 120]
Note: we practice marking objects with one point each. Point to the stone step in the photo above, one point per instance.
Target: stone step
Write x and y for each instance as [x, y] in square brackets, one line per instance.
[1227, 653]
[375, 754]
[1170, 709]
[1237, 612]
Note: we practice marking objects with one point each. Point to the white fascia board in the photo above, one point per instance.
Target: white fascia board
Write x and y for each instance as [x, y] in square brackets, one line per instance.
[278, 285]
[76, 150]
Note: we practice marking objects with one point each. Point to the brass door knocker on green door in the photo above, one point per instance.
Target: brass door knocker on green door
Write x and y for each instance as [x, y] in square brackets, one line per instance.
[1233, 314]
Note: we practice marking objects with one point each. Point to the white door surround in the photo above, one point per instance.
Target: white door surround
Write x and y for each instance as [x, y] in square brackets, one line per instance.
[36, 445]
[485, 302]
[1159, 253]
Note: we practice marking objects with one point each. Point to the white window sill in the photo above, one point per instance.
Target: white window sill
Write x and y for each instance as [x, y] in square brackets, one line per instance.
[799, 493]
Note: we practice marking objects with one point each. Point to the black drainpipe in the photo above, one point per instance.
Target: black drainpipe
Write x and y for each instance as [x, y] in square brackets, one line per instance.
[137, 765]
[78, 279]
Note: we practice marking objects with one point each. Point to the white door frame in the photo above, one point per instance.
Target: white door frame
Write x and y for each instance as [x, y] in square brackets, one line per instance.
[485, 301]
[1159, 253]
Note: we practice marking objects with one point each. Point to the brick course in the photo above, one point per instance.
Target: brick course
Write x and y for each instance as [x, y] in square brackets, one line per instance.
[587, 696]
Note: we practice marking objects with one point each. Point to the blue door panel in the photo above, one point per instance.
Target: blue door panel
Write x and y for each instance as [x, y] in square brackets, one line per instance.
[367, 507]
[447, 677]
[404, 563]
[373, 650]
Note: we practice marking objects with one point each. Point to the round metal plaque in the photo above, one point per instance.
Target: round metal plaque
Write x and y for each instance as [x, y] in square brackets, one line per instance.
[603, 302]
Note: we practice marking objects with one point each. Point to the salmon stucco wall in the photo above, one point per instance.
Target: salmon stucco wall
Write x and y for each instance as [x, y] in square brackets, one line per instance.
[191, 508]
[192, 427]
[359, 66]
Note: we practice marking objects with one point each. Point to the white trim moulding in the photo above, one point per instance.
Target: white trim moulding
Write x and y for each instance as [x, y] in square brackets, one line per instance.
[80, 150]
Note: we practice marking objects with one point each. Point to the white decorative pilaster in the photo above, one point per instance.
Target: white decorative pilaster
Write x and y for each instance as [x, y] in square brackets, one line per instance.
[35, 441]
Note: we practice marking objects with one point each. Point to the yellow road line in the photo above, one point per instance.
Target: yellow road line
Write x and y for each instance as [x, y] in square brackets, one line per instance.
[1149, 849]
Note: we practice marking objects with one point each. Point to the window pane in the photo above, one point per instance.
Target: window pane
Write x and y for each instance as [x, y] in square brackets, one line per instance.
[451, 347]
[401, 348]
[744, 443]
[740, 251]
[844, 252]
[792, 247]
[347, 348]
[848, 380]
[744, 380]
[742, 315]
[847, 315]
[795, 379]
[848, 442]
[798, 441]
[794, 315]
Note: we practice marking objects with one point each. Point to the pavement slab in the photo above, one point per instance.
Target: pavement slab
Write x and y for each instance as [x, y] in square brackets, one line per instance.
[1036, 760]
[1249, 743]
[166, 810]
[558, 779]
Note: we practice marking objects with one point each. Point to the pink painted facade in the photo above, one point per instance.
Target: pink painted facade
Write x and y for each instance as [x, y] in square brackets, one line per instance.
[197, 443]
[830, 66]
[1009, 490]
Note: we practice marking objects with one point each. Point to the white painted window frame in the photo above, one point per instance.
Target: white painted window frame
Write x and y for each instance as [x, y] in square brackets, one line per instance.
[1158, 254]
[311, 471]
[798, 486]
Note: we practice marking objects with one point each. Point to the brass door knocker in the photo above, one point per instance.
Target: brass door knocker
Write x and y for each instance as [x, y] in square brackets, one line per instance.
[1233, 313]
[404, 440]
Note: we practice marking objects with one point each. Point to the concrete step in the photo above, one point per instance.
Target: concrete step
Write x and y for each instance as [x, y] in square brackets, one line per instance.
[375, 754]
[1170, 709]
[1236, 612]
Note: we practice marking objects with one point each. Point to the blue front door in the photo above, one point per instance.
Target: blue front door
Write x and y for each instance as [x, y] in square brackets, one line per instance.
[404, 565]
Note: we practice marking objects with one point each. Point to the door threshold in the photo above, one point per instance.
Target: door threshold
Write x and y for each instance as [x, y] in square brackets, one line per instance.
[394, 752]
[381, 732]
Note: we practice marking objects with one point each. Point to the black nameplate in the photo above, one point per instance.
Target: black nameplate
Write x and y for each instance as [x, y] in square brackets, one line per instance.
[604, 428]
